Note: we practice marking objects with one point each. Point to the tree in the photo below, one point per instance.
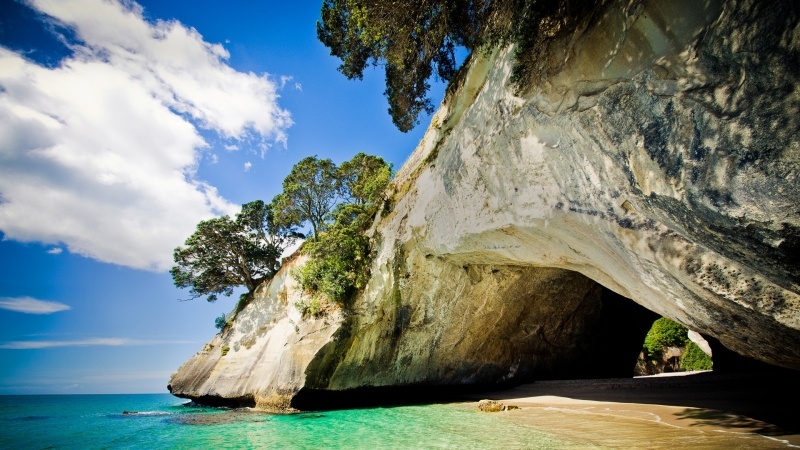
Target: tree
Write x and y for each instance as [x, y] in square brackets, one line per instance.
[416, 39]
[224, 253]
[363, 179]
[309, 193]
[221, 322]
[411, 38]
[341, 255]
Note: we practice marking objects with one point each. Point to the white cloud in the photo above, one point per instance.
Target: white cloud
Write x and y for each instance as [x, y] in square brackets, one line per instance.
[55, 251]
[247, 166]
[100, 153]
[91, 342]
[29, 305]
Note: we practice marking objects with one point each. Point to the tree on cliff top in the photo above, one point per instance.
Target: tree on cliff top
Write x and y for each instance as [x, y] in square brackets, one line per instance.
[309, 193]
[224, 253]
[341, 253]
[361, 180]
[414, 39]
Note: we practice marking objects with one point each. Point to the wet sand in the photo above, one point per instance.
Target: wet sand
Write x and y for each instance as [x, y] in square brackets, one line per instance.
[699, 410]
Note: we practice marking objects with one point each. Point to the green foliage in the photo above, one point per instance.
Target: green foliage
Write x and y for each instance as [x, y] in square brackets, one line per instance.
[224, 350]
[409, 38]
[309, 193]
[224, 253]
[694, 358]
[315, 307]
[363, 179]
[664, 333]
[341, 255]
[221, 322]
[340, 259]
[416, 39]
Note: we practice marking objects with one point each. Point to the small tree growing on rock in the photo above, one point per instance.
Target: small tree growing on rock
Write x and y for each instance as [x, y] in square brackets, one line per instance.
[224, 253]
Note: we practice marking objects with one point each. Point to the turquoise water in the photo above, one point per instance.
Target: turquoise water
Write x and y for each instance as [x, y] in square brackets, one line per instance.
[162, 421]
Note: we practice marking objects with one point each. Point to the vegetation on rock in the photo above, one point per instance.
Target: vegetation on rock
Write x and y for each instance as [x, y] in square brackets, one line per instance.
[694, 358]
[339, 203]
[221, 322]
[224, 253]
[413, 40]
[665, 334]
[341, 254]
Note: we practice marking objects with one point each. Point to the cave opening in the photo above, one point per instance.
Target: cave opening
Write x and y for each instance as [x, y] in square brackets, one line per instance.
[501, 327]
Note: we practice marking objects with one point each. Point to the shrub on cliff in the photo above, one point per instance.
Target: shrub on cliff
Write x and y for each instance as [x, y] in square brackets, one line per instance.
[221, 322]
[664, 333]
[340, 257]
[694, 358]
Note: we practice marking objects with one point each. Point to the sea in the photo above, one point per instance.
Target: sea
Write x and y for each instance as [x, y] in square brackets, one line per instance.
[161, 421]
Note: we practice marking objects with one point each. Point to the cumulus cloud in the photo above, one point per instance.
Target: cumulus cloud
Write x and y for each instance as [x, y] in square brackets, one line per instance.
[29, 305]
[100, 153]
[247, 166]
[55, 251]
[91, 342]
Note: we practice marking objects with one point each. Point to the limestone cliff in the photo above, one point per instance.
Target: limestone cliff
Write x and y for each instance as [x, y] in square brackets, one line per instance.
[655, 160]
[261, 357]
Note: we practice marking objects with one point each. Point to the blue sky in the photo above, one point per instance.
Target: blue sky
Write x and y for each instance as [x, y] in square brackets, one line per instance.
[122, 126]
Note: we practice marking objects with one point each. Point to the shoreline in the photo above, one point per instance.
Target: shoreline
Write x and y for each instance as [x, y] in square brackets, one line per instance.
[703, 404]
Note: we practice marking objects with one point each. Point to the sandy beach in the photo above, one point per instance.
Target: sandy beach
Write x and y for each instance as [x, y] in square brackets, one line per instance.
[698, 410]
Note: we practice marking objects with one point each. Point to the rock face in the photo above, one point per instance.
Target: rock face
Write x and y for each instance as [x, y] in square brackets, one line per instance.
[261, 357]
[656, 160]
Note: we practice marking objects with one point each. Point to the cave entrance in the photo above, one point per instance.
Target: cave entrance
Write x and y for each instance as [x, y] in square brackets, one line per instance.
[612, 343]
[671, 347]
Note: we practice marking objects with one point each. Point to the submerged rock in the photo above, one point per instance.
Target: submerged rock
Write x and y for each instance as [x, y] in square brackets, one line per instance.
[653, 170]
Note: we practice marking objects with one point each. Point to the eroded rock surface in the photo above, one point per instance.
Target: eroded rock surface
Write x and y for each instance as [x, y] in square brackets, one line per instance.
[660, 159]
[657, 158]
[261, 358]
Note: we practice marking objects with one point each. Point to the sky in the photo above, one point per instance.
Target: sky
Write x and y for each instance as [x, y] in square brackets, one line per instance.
[122, 125]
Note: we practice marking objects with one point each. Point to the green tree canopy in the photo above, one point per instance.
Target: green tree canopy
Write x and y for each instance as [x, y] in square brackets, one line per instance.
[224, 253]
[416, 39]
[310, 192]
[341, 255]
[363, 179]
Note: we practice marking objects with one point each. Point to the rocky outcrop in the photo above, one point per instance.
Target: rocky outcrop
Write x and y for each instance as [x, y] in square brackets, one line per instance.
[656, 160]
[259, 359]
